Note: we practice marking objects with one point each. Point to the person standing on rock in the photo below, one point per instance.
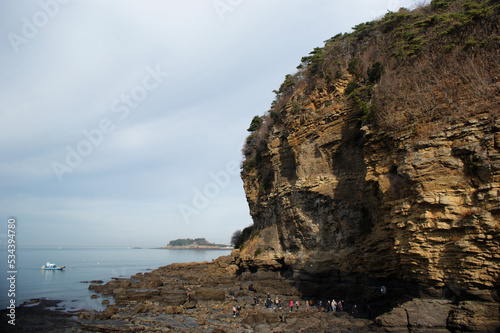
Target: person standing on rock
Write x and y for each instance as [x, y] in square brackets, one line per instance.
[291, 306]
[307, 306]
[297, 305]
[355, 312]
[340, 307]
[234, 311]
[334, 306]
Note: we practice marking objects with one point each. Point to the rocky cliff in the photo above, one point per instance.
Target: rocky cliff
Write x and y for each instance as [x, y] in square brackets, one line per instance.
[375, 168]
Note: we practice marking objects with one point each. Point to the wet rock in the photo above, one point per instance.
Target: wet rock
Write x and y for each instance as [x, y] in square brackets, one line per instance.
[108, 312]
[174, 310]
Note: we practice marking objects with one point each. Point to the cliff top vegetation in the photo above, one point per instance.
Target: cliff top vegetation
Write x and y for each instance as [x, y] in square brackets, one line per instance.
[408, 72]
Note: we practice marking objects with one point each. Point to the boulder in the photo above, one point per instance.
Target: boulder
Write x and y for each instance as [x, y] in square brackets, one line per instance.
[232, 269]
[153, 282]
[254, 318]
[173, 310]
[471, 316]
[173, 297]
[208, 294]
[108, 312]
[140, 308]
[189, 305]
[141, 294]
[423, 314]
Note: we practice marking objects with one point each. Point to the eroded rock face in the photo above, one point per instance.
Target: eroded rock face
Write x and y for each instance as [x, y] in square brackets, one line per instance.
[356, 206]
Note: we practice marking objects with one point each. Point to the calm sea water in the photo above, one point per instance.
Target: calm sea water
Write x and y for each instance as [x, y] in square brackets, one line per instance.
[84, 264]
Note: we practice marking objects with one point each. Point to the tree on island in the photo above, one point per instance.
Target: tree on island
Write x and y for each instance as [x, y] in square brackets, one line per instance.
[188, 242]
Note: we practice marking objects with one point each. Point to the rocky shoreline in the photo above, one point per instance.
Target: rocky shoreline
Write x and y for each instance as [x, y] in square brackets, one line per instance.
[41, 315]
[199, 297]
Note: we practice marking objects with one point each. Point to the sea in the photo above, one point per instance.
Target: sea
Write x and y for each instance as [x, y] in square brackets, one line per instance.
[83, 264]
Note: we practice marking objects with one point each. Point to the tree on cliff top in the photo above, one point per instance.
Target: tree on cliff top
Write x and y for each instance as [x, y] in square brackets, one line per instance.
[240, 237]
[255, 124]
[235, 237]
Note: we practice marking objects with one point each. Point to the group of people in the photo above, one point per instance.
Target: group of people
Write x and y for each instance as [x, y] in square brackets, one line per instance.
[236, 310]
[327, 306]
[332, 306]
[337, 307]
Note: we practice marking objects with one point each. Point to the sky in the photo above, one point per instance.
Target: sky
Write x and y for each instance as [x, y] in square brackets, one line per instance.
[122, 122]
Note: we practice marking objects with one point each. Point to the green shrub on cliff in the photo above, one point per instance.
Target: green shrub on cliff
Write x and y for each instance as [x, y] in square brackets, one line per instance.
[375, 72]
[241, 236]
[255, 124]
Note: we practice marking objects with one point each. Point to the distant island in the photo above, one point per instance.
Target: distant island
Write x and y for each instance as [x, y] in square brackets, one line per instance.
[197, 243]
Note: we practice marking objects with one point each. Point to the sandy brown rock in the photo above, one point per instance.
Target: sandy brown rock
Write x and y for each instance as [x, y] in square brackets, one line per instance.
[475, 316]
[108, 312]
[369, 208]
[420, 314]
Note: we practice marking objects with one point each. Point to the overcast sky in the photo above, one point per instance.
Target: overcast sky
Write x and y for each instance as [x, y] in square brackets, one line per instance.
[122, 121]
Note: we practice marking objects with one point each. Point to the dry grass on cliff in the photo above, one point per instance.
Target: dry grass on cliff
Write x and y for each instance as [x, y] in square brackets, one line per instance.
[463, 86]
[440, 64]
[437, 65]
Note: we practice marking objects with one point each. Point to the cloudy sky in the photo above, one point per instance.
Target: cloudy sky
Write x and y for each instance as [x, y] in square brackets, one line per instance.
[122, 121]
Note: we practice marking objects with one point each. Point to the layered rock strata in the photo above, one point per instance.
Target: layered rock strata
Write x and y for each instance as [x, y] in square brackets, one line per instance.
[347, 209]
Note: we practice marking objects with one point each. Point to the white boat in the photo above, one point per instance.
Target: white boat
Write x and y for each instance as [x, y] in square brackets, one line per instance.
[52, 267]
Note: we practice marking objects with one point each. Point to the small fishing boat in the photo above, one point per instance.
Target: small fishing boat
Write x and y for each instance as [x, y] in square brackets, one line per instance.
[52, 267]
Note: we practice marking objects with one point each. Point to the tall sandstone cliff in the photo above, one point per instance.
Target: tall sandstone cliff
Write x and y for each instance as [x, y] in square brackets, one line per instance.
[359, 201]
[345, 203]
